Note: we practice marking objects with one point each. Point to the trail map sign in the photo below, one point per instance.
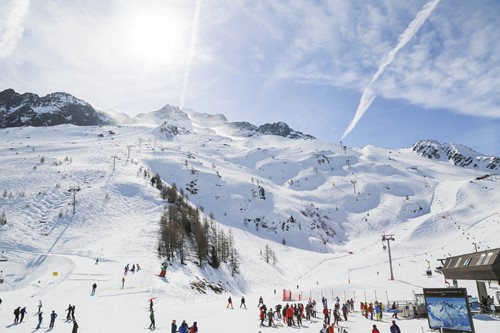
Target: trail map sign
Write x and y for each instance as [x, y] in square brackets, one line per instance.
[449, 309]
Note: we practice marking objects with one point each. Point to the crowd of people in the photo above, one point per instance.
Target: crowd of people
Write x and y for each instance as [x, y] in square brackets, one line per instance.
[292, 315]
[21, 312]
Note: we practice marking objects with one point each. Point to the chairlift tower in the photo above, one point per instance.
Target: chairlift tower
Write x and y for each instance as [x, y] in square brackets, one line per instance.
[114, 157]
[74, 189]
[388, 238]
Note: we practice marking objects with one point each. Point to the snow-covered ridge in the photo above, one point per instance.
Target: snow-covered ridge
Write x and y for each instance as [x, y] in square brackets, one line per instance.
[53, 109]
[457, 154]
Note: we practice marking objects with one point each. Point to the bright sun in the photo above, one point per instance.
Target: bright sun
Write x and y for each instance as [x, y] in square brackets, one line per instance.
[158, 35]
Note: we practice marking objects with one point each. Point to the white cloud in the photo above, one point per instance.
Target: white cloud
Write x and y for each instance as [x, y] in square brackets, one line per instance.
[12, 16]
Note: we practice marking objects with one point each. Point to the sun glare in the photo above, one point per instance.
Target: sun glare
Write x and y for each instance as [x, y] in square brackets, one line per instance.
[158, 36]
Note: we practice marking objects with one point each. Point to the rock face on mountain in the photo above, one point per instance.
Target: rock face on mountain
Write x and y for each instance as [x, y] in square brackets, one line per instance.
[29, 109]
[457, 154]
[279, 128]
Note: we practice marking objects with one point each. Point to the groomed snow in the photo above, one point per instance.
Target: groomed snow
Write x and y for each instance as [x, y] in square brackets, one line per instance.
[52, 253]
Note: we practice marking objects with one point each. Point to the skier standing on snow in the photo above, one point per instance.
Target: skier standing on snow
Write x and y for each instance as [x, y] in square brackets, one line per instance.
[194, 328]
[395, 327]
[270, 316]
[262, 316]
[152, 319]
[345, 309]
[53, 317]
[75, 327]
[173, 327]
[16, 314]
[123, 282]
[73, 312]
[68, 316]
[229, 303]
[39, 305]
[150, 304]
[375, 329]
[184, 327]
[23, 312]
[261, 301]
[243, 302]
[40, 318]
[94, 287]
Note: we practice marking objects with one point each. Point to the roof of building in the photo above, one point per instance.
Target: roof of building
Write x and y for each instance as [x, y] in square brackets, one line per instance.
[484, 265]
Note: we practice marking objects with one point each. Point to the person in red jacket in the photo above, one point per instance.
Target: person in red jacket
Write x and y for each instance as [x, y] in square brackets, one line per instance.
[375, 329]
[289, 315]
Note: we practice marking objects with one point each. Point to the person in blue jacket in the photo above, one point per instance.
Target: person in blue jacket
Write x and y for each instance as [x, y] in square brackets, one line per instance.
[395, 327]
[184, 328]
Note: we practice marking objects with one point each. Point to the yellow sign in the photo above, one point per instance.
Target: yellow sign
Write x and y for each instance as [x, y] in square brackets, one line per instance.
[55, 273]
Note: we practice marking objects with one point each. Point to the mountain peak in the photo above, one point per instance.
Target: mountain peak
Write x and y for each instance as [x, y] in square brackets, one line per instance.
[457, 154]
[29, 109]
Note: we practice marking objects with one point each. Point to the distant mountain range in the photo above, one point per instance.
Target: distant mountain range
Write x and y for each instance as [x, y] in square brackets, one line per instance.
[28, 109]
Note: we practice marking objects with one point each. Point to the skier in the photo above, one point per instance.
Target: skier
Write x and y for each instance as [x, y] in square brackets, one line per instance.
[68, 316]
[173, 327]
[75, 327]
[123, 282]
[73, 312]
[270, 316]
[395, 309]
[94, 287]
[375, 329]
[150, 304]
[345, 310]
[39, 305]
[377, 311]
[229, 303]
[298, 315]
[40, 318]
[16, 314]
[262, 316]
[152, 319]
[23, 312]
[261, 301]
[53, 317]
[323, 330]
[194, 328]
[243, 302]
[395, 328]
[184, 327]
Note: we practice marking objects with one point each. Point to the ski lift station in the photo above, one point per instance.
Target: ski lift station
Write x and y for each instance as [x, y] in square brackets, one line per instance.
[482, 267]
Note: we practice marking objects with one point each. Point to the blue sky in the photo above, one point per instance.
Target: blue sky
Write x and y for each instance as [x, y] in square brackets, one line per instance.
[432, 67]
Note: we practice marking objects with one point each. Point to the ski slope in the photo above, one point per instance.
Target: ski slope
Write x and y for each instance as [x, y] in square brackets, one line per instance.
[52, 252]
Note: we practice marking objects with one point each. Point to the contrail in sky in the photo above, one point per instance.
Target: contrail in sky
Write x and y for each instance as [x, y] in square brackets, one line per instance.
[368, 94]
[11, 27]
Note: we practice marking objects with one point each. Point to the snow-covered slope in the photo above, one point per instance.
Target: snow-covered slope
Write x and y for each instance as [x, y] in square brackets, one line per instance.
[341, 201]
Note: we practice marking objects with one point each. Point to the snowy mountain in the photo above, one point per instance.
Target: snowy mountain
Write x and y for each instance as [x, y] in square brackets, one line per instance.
[71, 194]
[54, 109]
[449, 314]
[457, 154]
